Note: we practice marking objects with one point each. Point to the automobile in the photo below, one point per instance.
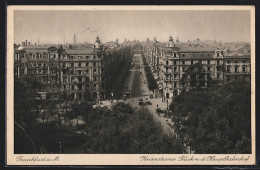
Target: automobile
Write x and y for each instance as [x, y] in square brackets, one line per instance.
[159, 110]
[148, 102]
[141, 101]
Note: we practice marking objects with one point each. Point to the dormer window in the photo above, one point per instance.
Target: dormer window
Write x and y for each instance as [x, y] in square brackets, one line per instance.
[174, 54]
[218, 54]
[209, 55]
[192, 55]
[183, 55]
[80, 57]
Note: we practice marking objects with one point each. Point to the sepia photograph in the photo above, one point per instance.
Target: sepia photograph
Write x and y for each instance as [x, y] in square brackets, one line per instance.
[130, 85]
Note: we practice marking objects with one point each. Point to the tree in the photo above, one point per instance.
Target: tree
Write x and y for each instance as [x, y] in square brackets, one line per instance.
[197, 76]
[215, 121]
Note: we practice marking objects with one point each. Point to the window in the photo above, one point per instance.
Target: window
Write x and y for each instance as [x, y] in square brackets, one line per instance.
[39, 64]
[80, 79]
[80, 96]
[236, 69]
[94, 56]
[72, 87]
[175, 84]
[87, 78]
[86, 64]
[228, 62]
[217, 61]
[79, 57]
[71, 72]
[64, 87]
[236, 61]
[23, 64]
[192, 55]
[191, 61]
[183, 68]
[44, 55]
[87, 71]
[87, 57]
[228, 78]
[64, 65]
[218, 75]
[72, 95]
[174, 55]
[79, 72]
[71, 57]
[228, 69]
[80, 87]
[94, 64]
[183, 55]
[183, 62]
[217, 54]
[244, 61]
[64, 79]
[218, 68]
[174, 68]
[244, 69]
[22, 71]
[175, 76]
[72, 64]
[37, 55]
[208, 61]
[208, 68]
[167, 62]
[209, 55]
[94, 70]
[44, 64]
[79, 64]
[174, 62]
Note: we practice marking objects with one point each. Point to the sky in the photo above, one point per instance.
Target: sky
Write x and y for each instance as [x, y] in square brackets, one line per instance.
[56, 26]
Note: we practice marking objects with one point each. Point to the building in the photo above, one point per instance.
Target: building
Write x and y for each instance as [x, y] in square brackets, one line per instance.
[169, 63]
[73, 71]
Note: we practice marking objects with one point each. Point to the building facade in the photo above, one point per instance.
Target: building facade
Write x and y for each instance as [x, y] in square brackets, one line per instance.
[170, 63]
[73, 71]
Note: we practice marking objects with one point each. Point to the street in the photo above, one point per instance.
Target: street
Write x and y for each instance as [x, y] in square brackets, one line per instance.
[139, 90]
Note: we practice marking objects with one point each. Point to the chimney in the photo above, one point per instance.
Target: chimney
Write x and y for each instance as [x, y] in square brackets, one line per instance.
[25, 42]
[74, 39]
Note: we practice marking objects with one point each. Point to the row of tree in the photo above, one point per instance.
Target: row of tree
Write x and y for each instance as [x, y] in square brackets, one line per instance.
[151, 82]
[116, 67]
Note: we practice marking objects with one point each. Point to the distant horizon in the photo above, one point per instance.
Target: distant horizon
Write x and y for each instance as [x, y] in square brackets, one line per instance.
[57, 27]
